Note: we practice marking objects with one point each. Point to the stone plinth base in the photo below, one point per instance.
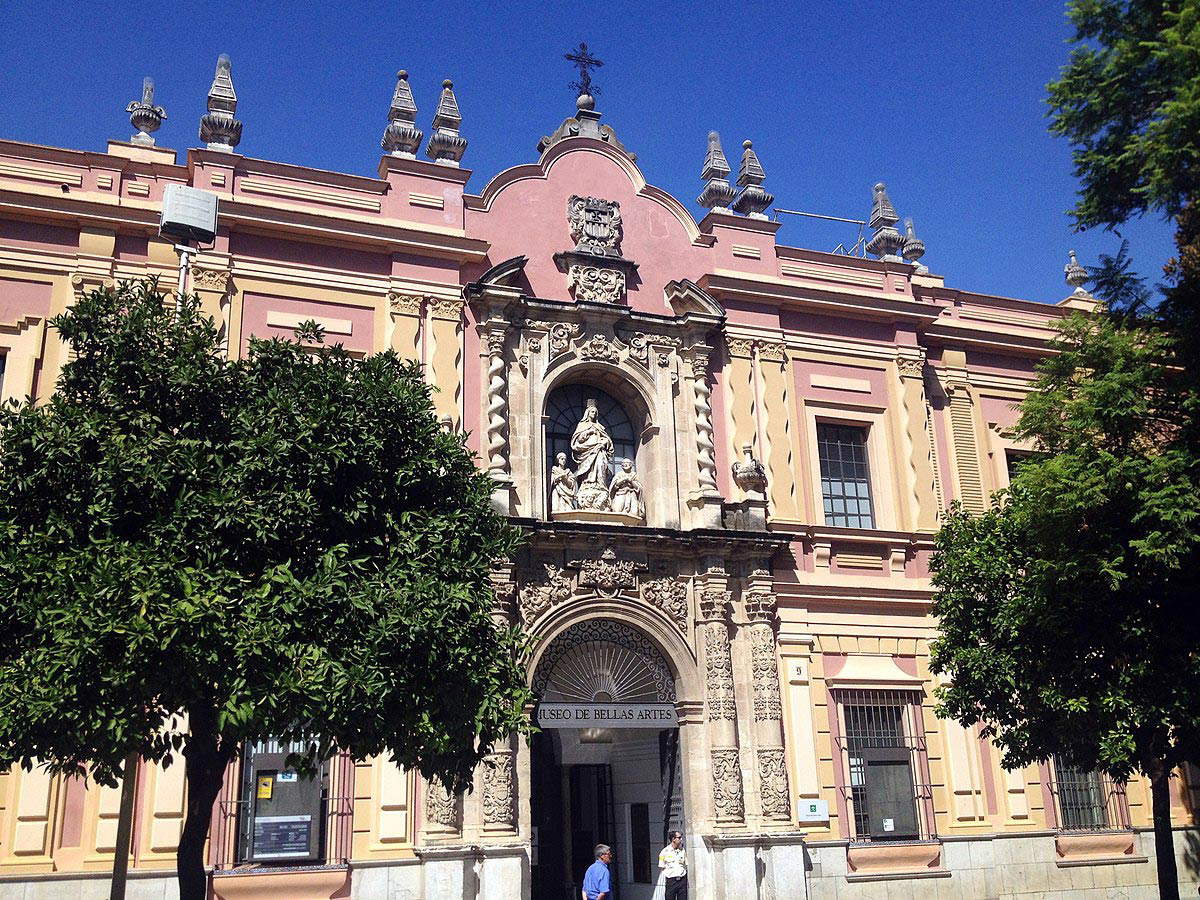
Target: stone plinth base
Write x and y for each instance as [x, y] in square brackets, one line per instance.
[1088, 847]
[605, 516]
[883, 858]
[265, 884]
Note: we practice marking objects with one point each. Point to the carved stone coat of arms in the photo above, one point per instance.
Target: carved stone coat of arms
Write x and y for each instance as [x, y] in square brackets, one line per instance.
[595, 225]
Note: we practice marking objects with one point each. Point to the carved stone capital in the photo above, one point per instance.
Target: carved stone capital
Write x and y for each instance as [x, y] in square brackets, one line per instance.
[910, 366]
[210, 279]
[447, 309]
[739, 347]
[760, 608]
[405, 304]
[714, 603]
[494, 338]
[772, 351]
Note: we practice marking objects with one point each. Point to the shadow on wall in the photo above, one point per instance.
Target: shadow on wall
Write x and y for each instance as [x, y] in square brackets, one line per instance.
[1191, 852]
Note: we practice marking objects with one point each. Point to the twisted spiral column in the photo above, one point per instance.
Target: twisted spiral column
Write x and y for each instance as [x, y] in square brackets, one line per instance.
[497, 403]
[702, 402]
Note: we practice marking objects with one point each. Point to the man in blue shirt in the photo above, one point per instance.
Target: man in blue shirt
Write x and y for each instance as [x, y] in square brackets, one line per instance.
[597, 882]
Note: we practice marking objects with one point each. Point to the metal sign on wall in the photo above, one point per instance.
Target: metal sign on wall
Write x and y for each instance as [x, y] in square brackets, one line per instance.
[606, 715]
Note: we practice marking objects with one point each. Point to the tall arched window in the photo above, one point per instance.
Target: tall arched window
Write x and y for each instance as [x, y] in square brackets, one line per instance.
[564, 409]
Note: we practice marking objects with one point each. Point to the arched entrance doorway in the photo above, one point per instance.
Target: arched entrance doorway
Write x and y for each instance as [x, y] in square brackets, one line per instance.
[606, 766]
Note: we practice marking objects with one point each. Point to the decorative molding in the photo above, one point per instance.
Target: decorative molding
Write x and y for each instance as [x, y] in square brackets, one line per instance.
[773, 784]
[764, 673]
[433, 201]
[727, 785]
[639, 349]
[910, 366]
[670, 596]
[598, 347]
[772, 351]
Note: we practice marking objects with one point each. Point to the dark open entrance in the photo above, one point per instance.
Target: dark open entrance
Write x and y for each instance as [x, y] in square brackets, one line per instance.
[606, 768]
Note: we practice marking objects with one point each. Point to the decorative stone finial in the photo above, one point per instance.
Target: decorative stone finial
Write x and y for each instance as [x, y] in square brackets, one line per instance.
[753, 199]
[144, 115]
[718, 193]
[446, 145]
[402, 137]
[914, 247]
[749, 474]
[1076, 275]
[218, 128]
[887, 241]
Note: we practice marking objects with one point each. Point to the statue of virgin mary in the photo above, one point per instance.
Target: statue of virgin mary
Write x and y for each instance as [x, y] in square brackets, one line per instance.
[592, 451]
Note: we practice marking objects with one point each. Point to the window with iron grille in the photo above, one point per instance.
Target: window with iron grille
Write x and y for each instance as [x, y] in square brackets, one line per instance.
[884, 764]
[1087, 800]
[845, 476]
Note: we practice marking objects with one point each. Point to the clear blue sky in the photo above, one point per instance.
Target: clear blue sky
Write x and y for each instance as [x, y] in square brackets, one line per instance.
[942, 100]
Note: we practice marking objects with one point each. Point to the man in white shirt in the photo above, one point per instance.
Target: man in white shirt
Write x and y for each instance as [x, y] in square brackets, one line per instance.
[673, 862]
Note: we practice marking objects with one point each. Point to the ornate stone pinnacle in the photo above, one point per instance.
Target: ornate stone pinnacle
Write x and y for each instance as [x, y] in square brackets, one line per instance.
[218, 128]
[446, 145]
[1076, 274]
[718, 193]
[402, 137]
[887, 241]
[914, 247]
[753, 199]
[144, 115]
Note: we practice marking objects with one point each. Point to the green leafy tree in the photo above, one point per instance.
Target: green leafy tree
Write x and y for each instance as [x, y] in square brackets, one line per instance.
[196, 553]
[1129, 100]
[1067, 617]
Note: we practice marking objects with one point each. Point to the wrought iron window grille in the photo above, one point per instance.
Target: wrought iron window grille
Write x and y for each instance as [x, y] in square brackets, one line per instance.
[1087, 801]
[885, 765]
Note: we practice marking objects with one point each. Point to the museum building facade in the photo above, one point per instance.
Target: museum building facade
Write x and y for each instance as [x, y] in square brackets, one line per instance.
[729, 457]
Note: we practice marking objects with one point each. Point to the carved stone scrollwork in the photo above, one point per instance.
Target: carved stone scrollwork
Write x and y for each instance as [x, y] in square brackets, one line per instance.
[669, 595]
[773, 784]
[210, 279]
[441, 806]
[499, 797]
[505, 592]
[739, 346]
[451, 309]
[600, 348]
[535, 599]
[595, 225]
[911, 366]
[772, 351]
[405, 304]
[596, 284]
[561, 334]
[727, 785]
[639, 348]
[608, 576]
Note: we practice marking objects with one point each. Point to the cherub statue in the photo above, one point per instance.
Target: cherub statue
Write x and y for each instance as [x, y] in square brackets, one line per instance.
[562, 485]
[625, 491]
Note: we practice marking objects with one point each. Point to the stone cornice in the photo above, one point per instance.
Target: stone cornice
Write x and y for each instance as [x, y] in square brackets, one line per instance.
[857, 304]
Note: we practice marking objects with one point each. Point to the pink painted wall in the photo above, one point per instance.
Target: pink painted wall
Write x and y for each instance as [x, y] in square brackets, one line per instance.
[257, 306]
[876, 396]
[323, 256]
[19, 299]
[529, 218]
[35, 236]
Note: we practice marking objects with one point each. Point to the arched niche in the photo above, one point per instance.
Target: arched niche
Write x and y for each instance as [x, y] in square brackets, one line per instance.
[630, 418]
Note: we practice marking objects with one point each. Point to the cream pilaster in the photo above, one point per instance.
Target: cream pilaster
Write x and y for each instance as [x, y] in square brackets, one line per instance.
[778, 438]
[445, 358]
[739, 394]
[915, 436]
[406, 311]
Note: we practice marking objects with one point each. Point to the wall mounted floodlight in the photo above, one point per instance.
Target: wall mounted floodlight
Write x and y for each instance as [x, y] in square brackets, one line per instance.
[189, 218]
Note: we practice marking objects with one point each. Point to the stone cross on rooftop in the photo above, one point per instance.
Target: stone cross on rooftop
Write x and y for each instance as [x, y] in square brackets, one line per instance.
[582, 59]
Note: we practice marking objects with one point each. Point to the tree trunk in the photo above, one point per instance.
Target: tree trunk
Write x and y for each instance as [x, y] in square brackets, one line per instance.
[1164, 844]
[205, 774]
